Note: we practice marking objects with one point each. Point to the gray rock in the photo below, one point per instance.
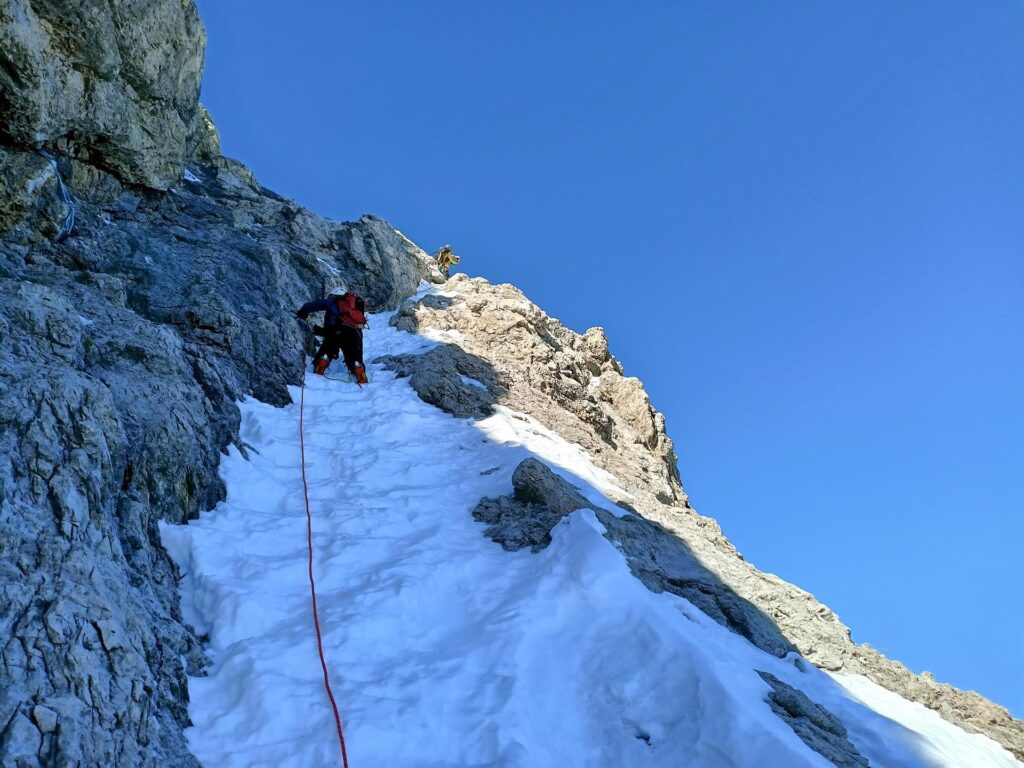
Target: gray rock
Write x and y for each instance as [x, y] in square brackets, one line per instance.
[526, 518]
[21, 742]
[114, 83]
[534, 483]
[657, 557]
[818, 728]
[203, 139]
[440, 375]
[46, 718]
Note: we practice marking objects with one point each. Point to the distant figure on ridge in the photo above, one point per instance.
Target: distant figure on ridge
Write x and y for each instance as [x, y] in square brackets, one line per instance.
[344, 321]
[446, 259]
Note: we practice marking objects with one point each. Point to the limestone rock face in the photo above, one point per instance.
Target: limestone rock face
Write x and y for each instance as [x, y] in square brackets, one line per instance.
[111, 82]
[567, 381]
[123, 351]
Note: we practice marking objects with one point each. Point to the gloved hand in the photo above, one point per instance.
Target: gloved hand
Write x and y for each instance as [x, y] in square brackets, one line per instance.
[300, 314]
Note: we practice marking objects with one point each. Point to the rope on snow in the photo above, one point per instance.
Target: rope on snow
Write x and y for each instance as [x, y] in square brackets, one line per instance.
[312, 582]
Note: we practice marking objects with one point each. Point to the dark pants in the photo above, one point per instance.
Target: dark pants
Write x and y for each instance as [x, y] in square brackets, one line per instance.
[345, 338]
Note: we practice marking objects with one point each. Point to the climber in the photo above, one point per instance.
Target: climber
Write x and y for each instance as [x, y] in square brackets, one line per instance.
[446, 259]
[344, 321]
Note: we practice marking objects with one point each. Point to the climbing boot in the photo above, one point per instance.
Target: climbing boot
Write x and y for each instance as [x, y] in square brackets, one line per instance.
[360, 374]
[320, 365]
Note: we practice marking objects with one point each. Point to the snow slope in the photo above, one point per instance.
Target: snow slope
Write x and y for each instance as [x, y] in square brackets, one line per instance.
[444, 649]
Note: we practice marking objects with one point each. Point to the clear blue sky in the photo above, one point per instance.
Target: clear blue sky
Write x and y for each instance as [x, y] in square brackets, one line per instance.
[801, 223]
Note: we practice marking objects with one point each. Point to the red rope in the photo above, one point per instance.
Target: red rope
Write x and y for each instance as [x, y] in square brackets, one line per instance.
[312, 582]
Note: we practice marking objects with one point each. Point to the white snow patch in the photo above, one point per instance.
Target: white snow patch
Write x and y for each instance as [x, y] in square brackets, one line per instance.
[443, 336]
[189, 176]
[445, 650]
[330, 267]
[509, 427]
[940, 742]
[470, 381]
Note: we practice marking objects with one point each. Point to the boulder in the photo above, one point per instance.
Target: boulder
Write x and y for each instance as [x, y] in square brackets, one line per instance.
[818, 728]
[660, 559]
[450, 379]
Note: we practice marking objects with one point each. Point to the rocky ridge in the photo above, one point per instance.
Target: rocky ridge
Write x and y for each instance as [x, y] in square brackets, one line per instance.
[572, 384]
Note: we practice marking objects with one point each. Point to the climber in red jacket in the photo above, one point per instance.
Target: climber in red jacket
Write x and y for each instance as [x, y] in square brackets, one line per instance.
[344, 321]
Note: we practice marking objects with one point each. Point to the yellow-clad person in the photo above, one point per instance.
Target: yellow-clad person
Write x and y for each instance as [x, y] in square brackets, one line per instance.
[446, 258]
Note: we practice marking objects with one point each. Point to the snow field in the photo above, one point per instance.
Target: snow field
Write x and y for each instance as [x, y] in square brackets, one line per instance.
[445, 650]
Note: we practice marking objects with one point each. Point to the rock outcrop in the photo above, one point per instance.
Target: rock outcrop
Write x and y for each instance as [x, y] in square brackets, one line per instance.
[567, 381]
[818, 728]
[114, 83]
[570, 383]
[450, 379]
[659, 559]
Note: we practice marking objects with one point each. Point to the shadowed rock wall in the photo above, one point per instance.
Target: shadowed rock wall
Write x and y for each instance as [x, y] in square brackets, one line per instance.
[123, 350]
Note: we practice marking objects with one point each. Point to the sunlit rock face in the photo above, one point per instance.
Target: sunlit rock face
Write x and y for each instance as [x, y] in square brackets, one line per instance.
[113, 83]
